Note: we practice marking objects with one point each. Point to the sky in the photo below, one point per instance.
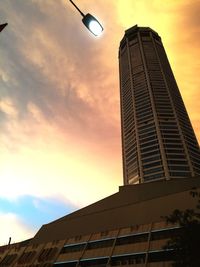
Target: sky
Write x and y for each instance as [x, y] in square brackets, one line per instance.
[60, 146]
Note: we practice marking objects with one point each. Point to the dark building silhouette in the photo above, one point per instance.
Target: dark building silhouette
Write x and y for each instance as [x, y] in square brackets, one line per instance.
[157, 136]
[127, 228]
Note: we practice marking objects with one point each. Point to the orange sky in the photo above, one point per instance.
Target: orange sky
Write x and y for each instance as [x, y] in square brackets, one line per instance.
[59, 89]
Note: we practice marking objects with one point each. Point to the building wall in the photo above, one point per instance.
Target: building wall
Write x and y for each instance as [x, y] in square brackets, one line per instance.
[158, 141]
[124, 229]
[136, 204]
[137, 245]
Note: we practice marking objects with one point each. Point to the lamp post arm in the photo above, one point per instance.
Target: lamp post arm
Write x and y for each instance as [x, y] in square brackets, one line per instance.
[77, 8]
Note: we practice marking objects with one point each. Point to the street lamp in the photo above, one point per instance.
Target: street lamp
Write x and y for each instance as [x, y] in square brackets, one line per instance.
[2, 26]
[90, 22]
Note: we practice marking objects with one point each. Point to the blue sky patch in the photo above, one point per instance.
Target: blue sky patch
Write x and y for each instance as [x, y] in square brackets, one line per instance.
[34, 211]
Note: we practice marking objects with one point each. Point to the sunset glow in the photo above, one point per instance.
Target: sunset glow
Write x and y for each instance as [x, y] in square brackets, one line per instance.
[59, 101]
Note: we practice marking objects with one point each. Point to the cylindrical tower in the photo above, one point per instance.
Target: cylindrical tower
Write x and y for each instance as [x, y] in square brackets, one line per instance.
[158, 140]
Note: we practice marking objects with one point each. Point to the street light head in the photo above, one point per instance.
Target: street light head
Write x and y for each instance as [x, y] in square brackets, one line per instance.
[95, 27]
[2, 26]
[92, 24]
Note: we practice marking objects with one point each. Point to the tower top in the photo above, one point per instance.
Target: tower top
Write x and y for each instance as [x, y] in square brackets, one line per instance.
[132, 32]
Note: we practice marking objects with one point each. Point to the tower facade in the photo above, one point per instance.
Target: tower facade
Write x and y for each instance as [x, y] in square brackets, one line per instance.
[158, 141]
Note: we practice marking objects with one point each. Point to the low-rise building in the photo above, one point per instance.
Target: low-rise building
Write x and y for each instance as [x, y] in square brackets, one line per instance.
[127, 228]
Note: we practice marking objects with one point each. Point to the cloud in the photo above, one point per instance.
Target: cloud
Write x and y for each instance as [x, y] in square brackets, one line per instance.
[66, 105]
[12, 226]
[7, 107]
[184, 53]
[189, 17]
[55, 75]
[44, 168]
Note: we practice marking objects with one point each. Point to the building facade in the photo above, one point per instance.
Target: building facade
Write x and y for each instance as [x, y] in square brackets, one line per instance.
[158, 141]
[131, 246]
[116, 231]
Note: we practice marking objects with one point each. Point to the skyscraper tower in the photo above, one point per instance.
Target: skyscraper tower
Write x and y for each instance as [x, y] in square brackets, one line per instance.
[158, 140]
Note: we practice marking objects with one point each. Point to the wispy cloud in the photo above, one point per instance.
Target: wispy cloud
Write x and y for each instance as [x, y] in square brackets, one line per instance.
[12, 226]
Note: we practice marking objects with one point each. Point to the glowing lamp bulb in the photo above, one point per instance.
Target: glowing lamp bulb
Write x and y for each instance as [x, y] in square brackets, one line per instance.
[92, 24]
[95, 27]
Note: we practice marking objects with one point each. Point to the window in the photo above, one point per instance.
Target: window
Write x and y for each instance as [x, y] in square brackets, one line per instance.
[153, 164]
[8, 259]
[47, 254]
[145, 129]
[154, 176]
[153, 170]
[173, 141]
[72, 248]
[144, 119]
[131, 151]
[168, 233]
[126, 260]
[148, 134]
[132, 36]
[152, 153]
[26, 257]
[132, 162]
[176, 151]
[154, 142]
[181, 162]
[175, 156]
[175, 136]
[100, 244]
[65, 264]
[180, 174]
[148, 149]
[178, 168]
[147, 160]
[176, 146]
[131, 239]
[149, 138]
[101, 262]
[161, 256]
[133, 174]
[145, 34]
